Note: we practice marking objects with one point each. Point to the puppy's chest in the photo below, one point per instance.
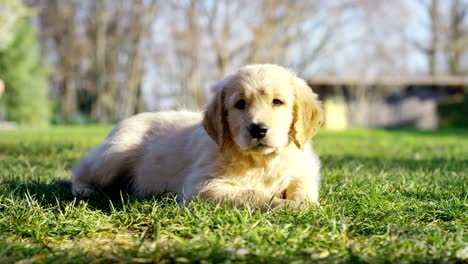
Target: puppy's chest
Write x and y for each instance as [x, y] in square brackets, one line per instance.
[271, 178]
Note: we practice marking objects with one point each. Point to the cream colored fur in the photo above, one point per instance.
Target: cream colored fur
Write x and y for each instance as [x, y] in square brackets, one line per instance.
[211, 155]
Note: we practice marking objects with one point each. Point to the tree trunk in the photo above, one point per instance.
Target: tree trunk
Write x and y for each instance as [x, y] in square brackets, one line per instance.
[100, 107]
[434, 14]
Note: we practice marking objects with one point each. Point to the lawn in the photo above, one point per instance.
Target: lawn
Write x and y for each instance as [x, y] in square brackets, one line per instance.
[387, 196]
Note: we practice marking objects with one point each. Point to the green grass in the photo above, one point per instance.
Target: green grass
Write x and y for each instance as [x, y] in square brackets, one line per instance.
[387, 196]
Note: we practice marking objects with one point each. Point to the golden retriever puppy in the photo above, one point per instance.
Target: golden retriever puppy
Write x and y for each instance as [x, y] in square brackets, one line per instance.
[251, 146]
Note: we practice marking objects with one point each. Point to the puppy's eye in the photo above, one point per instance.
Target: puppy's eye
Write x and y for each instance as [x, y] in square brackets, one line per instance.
[241, 104]
[277, 102]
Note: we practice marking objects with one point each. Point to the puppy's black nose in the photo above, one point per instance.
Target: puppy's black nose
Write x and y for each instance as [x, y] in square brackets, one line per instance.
[257, 131]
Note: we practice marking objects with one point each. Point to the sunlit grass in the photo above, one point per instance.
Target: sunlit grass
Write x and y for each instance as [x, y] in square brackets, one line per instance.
[387, 196]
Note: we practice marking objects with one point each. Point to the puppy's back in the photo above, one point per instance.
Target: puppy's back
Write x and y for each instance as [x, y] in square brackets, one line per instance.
[113, 160]
[175, 150]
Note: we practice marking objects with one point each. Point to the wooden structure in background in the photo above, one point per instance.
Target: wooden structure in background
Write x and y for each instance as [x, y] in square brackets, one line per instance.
[442, 81]
[386, 102]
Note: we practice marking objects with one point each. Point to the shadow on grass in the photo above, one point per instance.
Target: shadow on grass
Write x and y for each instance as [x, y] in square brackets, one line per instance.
[58, 192]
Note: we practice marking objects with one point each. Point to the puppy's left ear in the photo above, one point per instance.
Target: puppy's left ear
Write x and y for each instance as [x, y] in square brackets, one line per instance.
[308, 113]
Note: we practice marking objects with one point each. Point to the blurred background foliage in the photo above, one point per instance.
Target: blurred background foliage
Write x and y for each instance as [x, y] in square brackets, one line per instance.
[101, 61]
[26, 99]
[455, 113]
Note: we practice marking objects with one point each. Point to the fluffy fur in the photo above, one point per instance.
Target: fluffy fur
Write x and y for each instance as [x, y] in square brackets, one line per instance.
[212, 155]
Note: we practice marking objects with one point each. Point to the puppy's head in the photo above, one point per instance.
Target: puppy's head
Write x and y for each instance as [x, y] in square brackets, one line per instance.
[262, 108]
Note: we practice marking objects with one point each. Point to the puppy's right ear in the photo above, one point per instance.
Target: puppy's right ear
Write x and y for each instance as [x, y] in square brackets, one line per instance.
[214, 120]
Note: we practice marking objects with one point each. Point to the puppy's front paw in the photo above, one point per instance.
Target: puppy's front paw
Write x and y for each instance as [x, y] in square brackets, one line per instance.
[304, 201]
[82, 190]
[296, 205]
[283, 203]
[290, 204]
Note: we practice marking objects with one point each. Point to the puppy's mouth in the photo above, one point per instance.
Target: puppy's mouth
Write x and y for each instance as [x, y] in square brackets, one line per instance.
[259, 146]
[254, 145]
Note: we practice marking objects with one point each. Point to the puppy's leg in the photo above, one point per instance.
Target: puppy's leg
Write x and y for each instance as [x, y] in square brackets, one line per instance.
[303, 190]
[81, 182]
[103, 166]
[226, 192]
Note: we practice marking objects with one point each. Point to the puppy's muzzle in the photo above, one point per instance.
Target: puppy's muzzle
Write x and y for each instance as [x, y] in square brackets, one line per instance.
[257, 131]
